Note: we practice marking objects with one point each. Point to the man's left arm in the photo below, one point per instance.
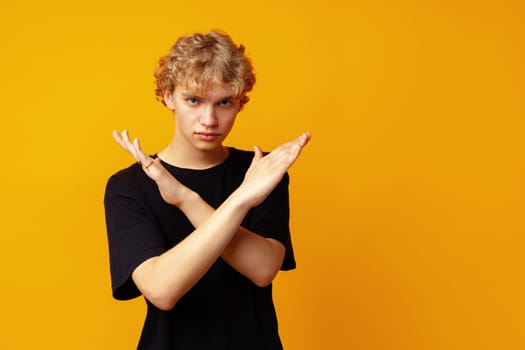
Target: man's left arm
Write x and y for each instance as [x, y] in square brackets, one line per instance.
[256, 257]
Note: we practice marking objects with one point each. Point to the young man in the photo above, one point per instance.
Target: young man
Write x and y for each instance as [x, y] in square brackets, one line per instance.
[200, 229]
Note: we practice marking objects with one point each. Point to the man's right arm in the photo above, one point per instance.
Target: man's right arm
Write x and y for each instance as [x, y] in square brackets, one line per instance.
[164, 279]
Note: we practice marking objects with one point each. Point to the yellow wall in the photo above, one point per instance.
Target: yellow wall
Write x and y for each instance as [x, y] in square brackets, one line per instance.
[407, 205]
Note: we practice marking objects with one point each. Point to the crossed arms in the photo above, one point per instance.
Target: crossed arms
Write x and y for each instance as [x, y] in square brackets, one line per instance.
[164, 279]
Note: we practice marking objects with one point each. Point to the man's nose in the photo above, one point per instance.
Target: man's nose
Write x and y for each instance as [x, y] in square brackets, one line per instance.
[208, 117]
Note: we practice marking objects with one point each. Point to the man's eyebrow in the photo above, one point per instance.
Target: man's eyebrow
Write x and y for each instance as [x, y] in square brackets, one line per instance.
[228, 97]
[186, 94]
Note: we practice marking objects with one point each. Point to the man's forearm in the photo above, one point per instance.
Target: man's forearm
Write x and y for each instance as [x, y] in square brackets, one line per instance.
[252, 255]
[164, 279]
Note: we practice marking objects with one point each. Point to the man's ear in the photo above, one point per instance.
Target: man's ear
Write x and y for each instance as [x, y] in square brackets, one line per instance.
[242, 102]
[168, 99]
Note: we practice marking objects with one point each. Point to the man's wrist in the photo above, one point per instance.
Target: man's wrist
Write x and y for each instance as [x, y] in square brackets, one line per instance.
[188, 199]
[239, 199]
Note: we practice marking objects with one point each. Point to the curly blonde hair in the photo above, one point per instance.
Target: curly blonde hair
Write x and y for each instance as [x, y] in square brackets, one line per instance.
[198, 61]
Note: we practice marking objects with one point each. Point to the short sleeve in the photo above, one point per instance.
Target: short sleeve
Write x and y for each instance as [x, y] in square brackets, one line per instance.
[271, 219]
[133, 236]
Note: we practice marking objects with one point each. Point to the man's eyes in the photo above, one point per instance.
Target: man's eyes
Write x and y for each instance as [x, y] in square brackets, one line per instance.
[195, 100]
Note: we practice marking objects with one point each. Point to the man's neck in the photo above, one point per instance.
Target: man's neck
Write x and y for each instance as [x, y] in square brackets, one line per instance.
[191, 158]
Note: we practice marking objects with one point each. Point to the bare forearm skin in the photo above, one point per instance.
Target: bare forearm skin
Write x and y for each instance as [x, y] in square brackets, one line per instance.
[164, 279]
[256, 257]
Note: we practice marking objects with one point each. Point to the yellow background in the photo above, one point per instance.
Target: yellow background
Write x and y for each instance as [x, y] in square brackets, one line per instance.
[407, 206]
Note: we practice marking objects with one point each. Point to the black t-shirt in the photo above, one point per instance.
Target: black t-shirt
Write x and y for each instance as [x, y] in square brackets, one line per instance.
[224, 310]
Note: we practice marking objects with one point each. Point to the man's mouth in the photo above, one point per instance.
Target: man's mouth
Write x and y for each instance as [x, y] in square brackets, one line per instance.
[207, 136]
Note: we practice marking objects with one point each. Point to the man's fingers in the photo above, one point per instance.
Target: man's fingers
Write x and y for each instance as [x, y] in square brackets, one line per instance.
[116, 136]
[133, 148]
[124, 137]
[305, 138]
[288, 153]
[299, 144]
[258, 152]
[291, 149]
[146, 165]
[123, 141]
[141, 156]
[118, 139]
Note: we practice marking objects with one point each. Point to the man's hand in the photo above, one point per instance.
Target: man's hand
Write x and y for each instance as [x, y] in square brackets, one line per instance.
[265, 172]
[171, 190]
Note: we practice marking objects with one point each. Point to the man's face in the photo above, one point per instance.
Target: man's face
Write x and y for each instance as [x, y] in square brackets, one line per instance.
[203, 121]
